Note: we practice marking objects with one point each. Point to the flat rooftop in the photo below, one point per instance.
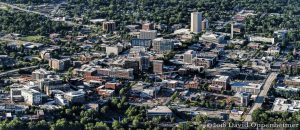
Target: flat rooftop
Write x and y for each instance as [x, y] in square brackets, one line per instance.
[246, 85]
[283, 105]
[222, 78]
[160, 109]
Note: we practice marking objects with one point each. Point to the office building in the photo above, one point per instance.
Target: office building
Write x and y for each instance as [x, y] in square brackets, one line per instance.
[158, 66]
[138, 54]
[261, 39]
[280, 35]
[75, 96]
[133, 64]
[285, 105]
[116, 73]
[204, 62]
[196, 19]
[41, 74]
[220, 83]
[60, 65]
[159, 111]
[148, 34]
[188, 56]
[109, 26]
[252, 88]
[209, 37]
[292, 81]
[289, 68]
[60, 100]
[205, 25]
[31, 96]
[112, 86]
[245, 98]
[113, 50]
[161, 45]
[51, 82]
[141, 42]
[148, 26]
[105, 92]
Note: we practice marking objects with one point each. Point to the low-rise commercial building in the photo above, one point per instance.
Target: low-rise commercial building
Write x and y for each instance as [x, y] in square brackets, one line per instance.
[75, 96]
[116, 73]
[209, 37]
[41, 74]
[246, 87]
[285, 105]
[31, 96]
[159, 111]
[292, 81]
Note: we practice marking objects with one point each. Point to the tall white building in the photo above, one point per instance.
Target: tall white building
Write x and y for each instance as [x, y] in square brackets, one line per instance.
[196, 21]
[188, 56]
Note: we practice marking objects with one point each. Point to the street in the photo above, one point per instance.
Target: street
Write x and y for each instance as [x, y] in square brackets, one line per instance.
[263, 93]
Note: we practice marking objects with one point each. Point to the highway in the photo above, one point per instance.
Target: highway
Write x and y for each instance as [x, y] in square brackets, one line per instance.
[17, 70]
[263, 93]
[35, 12]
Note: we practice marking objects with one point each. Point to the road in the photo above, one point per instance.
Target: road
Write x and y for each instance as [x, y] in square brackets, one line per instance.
[263, 93]
[17, 70]
[25, 10]
[35, 12]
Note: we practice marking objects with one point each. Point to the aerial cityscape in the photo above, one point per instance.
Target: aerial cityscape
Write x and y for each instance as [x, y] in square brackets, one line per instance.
[149, 64]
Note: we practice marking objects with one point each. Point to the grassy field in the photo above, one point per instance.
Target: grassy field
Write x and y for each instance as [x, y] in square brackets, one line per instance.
[32, 38]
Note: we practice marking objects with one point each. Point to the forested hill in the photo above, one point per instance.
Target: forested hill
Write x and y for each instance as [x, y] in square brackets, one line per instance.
[29, 24]
[30, 1]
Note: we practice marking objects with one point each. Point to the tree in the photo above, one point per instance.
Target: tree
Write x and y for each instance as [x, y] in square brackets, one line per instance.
[200, 118]
[101, 126]
[104, 109]
[122, 91]
[15, 124]
[135, 122]
[40, 125]
[116, 125]
[60, 124]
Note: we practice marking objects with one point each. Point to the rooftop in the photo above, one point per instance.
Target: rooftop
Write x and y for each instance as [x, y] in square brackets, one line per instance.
[221, 78]
[246, 85]
[282, 105]
[159, 109]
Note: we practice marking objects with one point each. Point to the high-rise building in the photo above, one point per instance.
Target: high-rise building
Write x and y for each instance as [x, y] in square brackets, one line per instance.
[141, 42]
[245, 98]
[188, 56]
[138, 54]
[148, 34]
[133, 64]
[61, 64]
[161, 45]
[109, 26]
[196, 19]
[148, 26]
[158, 66]
[205, 25]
